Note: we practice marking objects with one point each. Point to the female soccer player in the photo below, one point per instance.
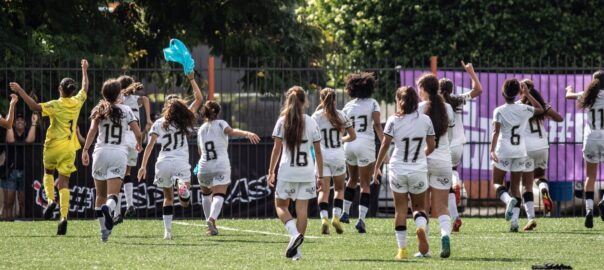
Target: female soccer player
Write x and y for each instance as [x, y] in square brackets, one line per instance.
[592, 99]
[439, 162]
[294, 134]
[111, 121]
[172, 164]
[408, 167]
[130, 99]
[214, 166]
[508, 146]
[457, 137]
[333, 124]
[10, 118]
[364, 113]
[61, 141]
[537, 149]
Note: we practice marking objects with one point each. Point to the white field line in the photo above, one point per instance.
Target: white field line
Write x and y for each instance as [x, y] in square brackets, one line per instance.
[240, 230]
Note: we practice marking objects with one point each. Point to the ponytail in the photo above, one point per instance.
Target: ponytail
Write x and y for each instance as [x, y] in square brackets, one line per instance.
[435, 106]
[106, 109]
[328, 100]
[210, 110]
[293, 117]
[445, 87]
[593, 89]
[406, 100]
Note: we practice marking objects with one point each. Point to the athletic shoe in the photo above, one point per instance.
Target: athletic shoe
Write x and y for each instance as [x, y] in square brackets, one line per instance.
[509, 207]
[514, 227]
[130, 211]
[292, 246]
[589, 219]
[548, 204]
[420, 255]
[107, 216]
[298, 255]
[62, 228]
[530, 225]
[601, 207]
[457, 224]
[324, 226]
[105, 235]
[335, 222]
[422, 240]
[212, 230]
[445, 243]
[167, 235]
[401, 255]
[49, 210]
[360, 226]
[344, 218]
[118, 219]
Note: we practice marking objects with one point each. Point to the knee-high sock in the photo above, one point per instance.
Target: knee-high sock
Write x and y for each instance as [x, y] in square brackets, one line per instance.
[337, 207]
[64, 199]
[324, 210]
[167, 216]
[452, 205]
[128, 191]
[291, 228]
[401, 236]
[516, 211]
[100, 218]
[217, 202]
[529, 205]
[348, 197]
[112, 202]
[118, 207]
[206, 203]
[421, 220]
[49, 187]
[364, 205]
[589, 200]
[445, 225]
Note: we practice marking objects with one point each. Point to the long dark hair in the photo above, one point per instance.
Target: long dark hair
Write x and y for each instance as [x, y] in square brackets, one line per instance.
[360, 85]
[531, 87]
[591, 93]
[293, 117]
[68, 86]
[178, 114]
[406, 100]
[106, 108]
[210, 110]
[328, 100]
[445, 87]
[510, 89]
[435, 108]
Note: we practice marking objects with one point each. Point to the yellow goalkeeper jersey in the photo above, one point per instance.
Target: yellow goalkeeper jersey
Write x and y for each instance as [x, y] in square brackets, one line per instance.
[63, 114]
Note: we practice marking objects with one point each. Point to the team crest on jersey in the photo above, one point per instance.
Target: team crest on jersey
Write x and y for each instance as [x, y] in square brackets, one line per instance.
[443, 180]
[311, 190]
[116, 171]
[397, 185]
[419, 186]
[99, 173]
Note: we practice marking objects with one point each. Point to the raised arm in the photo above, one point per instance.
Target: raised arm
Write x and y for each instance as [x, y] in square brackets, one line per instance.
[553, 114]
[147, 107]
[476, 85]
[10, 118]
[31, 134]
[31, 103]
[196, 92]
[242, 133]
[84, 64]
[534, 102]
[571, 94]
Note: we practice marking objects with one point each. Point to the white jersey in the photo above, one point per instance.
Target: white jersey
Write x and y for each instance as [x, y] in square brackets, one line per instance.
[594, 129]
[213, 143]
[173, 142]
[409, 134]
[536, 136]
[298, 166]
[457, 135]
[112, 135]
[513, 119]
[442, 151]
[331, 145]
[360, 112]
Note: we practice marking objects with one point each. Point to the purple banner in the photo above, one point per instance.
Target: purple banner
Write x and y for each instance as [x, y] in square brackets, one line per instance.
[566, 159]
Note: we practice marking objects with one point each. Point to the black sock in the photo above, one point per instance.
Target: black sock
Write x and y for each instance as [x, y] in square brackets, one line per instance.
[528, 197]
[519, 202]
[168, 210]
[400, 228]
[324, 206]
[589, 195]
[338, 203]
[349, 194]
[365, 198]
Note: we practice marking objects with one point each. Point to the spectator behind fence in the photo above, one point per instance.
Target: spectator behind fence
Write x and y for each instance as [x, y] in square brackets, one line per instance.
[13, 184]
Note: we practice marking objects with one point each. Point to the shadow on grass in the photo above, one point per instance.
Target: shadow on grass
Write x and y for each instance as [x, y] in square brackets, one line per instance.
[171, 244]
[382, 260]
[470, 259]
[50, 236]
[218, 240]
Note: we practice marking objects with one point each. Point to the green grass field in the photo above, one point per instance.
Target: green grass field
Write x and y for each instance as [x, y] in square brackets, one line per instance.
[259, 244]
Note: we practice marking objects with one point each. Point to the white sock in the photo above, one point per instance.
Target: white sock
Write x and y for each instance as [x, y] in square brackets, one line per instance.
[445, 225]
[337, 212]
[129, 191]
[168, 222]
[421, 222]
[216, 207]
[117, 209]
[401, 238]
[505, 197]
[530, 209]
[363, 212]
[516, 214]
[324, 214]
[347, 205]
[589, 204]
[291, 228]
[112, 204]
[543, 186]
[101, 220]
[206, 203]
[453, 206]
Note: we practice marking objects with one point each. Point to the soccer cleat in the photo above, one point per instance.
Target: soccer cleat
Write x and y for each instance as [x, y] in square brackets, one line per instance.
[445, 243]
[107, 216]
[292, 246]
[62, 228]
[514, 227]
[422, 240]
[130, 211]
[530, 225]
[401, 255]
[420, 255]
[360, 226]
[601, 207]
[167, 235]
[344, 218]
[324, 226]
[298, 255]
[509, 207]
[49, 210]
[118, 219]
[589, 219]
[548, 204]
[457, 224]
[212, 229]
[335, 222]
[105, 235]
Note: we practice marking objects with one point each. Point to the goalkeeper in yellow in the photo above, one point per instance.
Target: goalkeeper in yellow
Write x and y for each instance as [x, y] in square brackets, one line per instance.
[61, 140]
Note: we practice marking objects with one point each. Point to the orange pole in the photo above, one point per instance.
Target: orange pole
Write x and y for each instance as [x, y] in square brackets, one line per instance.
[434, 64]
[211, 78]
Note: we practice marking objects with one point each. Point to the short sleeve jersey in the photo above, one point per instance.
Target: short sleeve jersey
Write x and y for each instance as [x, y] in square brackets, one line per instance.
[409, 134]
[112, 135]
[513, 119]
[63, 114]
[132, 101]
[213, 143]
[360, 112]
[297, 165]
[442, 150]
[173, 141]
[331, 144]
[594, 129]
[456, 133]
